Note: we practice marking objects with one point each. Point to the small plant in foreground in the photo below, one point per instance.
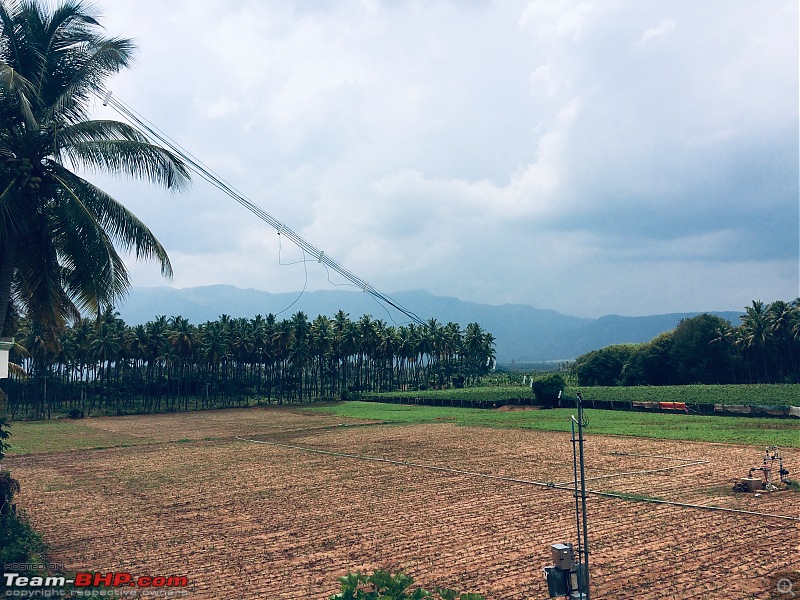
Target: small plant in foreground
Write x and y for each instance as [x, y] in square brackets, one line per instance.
[383, 585]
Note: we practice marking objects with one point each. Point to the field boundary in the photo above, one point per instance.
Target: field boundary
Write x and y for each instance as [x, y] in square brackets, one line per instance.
[695, 408]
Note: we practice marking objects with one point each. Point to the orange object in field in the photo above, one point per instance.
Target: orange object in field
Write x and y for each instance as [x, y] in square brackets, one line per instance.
[672, 406]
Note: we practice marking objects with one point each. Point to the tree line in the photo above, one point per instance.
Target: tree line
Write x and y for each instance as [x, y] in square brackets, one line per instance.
[105, 365]
[763, 348]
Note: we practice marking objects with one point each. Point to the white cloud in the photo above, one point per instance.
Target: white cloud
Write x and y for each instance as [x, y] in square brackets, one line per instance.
[545, 152]
[666, 26]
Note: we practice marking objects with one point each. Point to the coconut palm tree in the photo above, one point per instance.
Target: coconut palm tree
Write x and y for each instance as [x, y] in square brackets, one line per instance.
[105, 348]
[755, 332]
[780, 320]
[345, 342]
[322, 355]
[182, 338]
[214, 352]
[453, 342]
[479, 347]
[270, 352]
[59, 234]
[243, 347]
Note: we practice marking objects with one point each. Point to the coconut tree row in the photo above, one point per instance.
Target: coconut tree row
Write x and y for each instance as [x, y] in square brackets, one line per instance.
[171, 364]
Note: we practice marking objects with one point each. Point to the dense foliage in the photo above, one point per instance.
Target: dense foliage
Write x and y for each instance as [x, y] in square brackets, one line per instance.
[171, 364]
[764, 348]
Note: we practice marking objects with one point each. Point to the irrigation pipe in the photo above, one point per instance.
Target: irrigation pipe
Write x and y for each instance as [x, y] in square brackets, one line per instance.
[637, 455]
[645, 471]
[515, 480]
[699, 506]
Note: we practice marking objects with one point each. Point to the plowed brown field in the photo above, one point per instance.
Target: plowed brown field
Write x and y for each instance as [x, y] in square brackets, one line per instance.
[243, 519]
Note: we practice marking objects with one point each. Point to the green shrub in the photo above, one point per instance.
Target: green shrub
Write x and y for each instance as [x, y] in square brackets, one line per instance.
[547, 388]
[20, 544]
[5, 433]
[8, 487]
[383, 585]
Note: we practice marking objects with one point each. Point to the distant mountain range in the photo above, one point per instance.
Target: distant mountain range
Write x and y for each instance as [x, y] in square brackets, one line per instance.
[523, 333]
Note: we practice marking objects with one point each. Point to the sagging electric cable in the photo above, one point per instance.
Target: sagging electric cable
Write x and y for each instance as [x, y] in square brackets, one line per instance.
[155, 135]
[305, 281]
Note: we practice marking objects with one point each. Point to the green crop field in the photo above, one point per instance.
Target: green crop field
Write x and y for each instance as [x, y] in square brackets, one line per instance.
[732, 430]
[759, 394]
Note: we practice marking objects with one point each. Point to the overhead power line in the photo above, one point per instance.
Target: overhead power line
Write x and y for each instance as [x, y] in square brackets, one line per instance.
[156, 135]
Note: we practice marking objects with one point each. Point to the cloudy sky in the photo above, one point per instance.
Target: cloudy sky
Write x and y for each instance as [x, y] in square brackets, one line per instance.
[615, 156]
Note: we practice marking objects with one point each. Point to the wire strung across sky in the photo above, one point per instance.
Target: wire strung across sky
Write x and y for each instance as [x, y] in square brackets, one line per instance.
[155, 135]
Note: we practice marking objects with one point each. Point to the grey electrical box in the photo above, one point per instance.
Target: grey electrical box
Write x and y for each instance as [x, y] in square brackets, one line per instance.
[563, 556]
[557, 581]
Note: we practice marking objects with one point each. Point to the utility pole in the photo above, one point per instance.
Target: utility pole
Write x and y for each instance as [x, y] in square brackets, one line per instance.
[583, 583]
[567, 577]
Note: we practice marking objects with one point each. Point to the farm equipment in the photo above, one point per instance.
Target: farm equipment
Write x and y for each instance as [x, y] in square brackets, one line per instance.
[755, 482]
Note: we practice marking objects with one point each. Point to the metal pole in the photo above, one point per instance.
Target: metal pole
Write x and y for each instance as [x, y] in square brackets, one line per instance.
[583, 495]
[575, 486]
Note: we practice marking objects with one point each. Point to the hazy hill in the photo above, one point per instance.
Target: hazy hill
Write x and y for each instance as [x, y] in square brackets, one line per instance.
[523, 333]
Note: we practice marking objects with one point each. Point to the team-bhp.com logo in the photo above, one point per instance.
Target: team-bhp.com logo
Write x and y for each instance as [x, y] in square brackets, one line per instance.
[88, 581]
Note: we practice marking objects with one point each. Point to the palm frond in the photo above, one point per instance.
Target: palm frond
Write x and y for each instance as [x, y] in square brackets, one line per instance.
[9, 44]
[15, 87]
[136, 159]
[92, 273]
[84, 75]
[68, 21]
[10, 220]
[37, 281]
[17, 371]
[119, 223]
[96, 130]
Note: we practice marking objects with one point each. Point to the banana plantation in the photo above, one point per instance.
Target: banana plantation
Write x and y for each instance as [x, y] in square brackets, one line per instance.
[103, 366]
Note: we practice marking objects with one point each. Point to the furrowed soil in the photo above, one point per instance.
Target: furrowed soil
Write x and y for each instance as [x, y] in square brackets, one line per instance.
[301, 499]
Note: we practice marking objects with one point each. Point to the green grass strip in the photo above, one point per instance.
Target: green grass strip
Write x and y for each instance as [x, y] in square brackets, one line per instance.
[784, 433]
[29, 437]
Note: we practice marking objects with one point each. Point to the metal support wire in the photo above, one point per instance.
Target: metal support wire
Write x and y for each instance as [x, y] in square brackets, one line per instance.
[155, 135]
